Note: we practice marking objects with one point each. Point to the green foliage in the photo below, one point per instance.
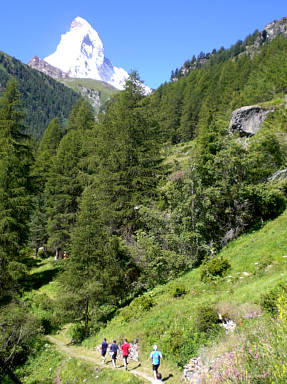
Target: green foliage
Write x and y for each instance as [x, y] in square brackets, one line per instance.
[206, 319]
[17, 271]
[214, 268]
[19, 332]
[218, 85]
[128, 158]
[181, 341]
[16, 183]
[268, 300]
[42, 306]
[66, 179]
[99, 269]
[248, 362]
[77, 332]
[41, 367]
[76, 371]
[43, 97]
[88, 87]
[178, 291]
[137, 308]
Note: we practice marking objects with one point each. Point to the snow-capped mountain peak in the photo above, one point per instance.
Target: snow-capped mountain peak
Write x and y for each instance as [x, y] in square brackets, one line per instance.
[80, 54]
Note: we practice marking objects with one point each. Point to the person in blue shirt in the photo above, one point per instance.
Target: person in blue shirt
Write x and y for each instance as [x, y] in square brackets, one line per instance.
[104, 348]
[155, 356]
[114, 349]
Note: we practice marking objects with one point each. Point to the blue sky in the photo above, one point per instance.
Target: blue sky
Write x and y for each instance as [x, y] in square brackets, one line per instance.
[151, 36]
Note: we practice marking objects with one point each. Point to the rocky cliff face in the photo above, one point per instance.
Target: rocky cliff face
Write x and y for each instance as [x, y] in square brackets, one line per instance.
[247, 120]
[48, 69]
[92, 94]
[272, 30]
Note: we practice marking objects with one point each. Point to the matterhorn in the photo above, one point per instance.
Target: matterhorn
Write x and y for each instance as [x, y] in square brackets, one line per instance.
[80, 54]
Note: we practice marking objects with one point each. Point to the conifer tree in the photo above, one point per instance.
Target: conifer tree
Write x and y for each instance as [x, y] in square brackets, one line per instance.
[128, 158]
[16, 184]
[67, 177]
[46, 152]
[98, 269]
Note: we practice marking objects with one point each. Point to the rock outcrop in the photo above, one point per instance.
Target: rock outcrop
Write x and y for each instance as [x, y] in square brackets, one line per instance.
[247, 120]
[48, 69]
[92, 94]
[271, 31]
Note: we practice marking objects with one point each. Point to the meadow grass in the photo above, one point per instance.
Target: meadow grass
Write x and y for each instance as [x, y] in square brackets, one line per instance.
[257, 264]
[76, 371]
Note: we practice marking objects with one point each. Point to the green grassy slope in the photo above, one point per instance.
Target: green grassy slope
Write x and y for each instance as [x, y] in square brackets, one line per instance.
[105, 90]
[258, 262]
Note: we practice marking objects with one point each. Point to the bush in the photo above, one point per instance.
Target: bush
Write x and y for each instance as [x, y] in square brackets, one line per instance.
[216, 267]
[206, 319]
[137, 307]
[178, 290]
[17, 271]
[42, 307]
[268, 301]
[77, 332]
[264, 262]
[182, 341]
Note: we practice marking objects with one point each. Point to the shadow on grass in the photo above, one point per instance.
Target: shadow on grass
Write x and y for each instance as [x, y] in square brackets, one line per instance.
[38, 279]
[131, 369]
[31, 262]
[168, 377]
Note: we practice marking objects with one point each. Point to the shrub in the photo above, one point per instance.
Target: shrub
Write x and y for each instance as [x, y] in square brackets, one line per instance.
[137, 307]
[206, 319]
[178, 290]
[264, 262]
[17, 271]
[42, 307]
[268, 301]
[216, 267]
[182, 341]
[77, 332]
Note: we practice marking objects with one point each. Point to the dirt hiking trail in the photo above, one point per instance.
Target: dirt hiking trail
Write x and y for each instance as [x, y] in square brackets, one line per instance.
[82, 353]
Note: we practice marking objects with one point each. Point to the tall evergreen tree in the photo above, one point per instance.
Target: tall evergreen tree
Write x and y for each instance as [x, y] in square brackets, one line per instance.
[98, 270]
[128, 158]
[16, 184]
[46, 152]
[67, 177]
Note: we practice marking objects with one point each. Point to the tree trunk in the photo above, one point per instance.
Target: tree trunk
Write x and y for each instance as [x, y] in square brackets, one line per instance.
[86, 317]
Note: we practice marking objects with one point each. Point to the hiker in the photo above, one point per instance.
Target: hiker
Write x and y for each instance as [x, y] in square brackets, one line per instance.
[104, 347]
[114, 349]
[158, 379]
[125, 347]
[155, 356]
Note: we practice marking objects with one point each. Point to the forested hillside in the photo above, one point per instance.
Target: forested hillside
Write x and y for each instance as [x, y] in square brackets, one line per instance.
[153, 188]
[43, 98]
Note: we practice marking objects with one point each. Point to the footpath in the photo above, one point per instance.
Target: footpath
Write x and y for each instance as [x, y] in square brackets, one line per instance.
[82, 353]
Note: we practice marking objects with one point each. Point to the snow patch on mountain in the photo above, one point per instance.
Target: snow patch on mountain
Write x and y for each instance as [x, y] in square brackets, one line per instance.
[80, 54]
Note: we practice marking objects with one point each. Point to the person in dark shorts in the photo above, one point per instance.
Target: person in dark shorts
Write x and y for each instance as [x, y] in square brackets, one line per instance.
[155, 356]
[104, 348]
[125, 347]
[114, 349]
